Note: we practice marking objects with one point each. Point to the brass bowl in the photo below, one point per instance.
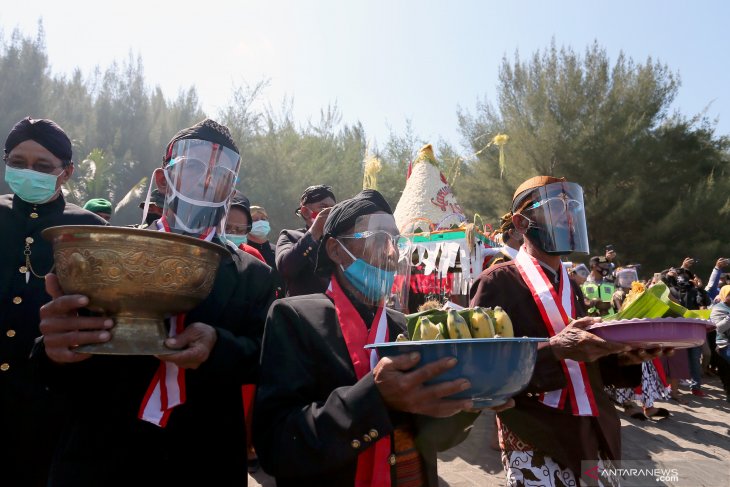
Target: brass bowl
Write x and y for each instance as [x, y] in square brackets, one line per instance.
[137, 277]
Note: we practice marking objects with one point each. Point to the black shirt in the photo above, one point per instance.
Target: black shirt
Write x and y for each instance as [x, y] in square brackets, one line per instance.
[21, 224]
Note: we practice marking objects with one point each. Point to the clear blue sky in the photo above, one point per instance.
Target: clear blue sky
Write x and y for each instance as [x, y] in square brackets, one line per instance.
[382, 62]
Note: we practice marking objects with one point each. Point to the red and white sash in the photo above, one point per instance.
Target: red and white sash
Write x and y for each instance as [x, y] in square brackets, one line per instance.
[167, 388]
[557, 311]
[373, 469]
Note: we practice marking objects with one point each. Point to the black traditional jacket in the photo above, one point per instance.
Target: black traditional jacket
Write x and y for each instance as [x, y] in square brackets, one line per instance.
[204, 442]
[313, 417]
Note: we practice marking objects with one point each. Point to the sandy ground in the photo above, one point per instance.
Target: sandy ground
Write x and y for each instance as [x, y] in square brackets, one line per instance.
[695, 439]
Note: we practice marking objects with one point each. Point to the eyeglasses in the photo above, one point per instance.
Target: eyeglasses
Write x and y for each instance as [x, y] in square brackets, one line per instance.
[557, 205]
[376, 238]
[46, 167]
[236, 229]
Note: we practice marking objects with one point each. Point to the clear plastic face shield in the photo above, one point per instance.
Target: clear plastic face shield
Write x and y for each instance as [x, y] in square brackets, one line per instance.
[200, 176]
[373, 248]
[557, 218]
[625, 277]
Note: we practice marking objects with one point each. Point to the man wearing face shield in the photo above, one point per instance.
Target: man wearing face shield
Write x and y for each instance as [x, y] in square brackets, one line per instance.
[564, 416]
[328, 412]
[38, 161]
[197, 179]
[296, 250]
[120, 432]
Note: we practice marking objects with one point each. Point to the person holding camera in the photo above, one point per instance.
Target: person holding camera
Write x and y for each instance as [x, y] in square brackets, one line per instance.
[611, 257]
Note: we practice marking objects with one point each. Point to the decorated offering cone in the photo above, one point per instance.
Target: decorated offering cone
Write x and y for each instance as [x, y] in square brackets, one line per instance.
[427, 197]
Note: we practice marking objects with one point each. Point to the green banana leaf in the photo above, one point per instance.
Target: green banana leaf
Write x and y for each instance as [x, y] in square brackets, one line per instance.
[436, 316]
[702, 314]
[655, 303]
[649, 305]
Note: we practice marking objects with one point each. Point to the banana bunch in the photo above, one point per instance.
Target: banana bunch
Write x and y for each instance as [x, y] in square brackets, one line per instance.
[491, 323]
[484, 323]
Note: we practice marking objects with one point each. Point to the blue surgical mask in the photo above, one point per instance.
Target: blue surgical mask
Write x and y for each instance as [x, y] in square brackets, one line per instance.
[31, 186]
[237, 239]
[260, 228]
[372, 282]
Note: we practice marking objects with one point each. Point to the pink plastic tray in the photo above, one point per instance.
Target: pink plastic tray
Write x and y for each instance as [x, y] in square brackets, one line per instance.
[654, 332]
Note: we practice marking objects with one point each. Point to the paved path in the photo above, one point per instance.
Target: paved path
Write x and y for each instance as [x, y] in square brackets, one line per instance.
[696, 432]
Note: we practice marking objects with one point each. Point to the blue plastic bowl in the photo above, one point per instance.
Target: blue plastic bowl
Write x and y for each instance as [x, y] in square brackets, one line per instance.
[498, 368]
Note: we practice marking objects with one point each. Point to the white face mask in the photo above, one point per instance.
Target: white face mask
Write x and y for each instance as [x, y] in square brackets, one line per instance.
[260, 228]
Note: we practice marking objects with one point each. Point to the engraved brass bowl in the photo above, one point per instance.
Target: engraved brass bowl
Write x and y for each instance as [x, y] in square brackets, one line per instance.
[137, 277]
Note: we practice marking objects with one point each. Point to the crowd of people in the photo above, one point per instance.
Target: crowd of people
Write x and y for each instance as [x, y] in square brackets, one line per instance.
[605, 288]
[272, 366]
